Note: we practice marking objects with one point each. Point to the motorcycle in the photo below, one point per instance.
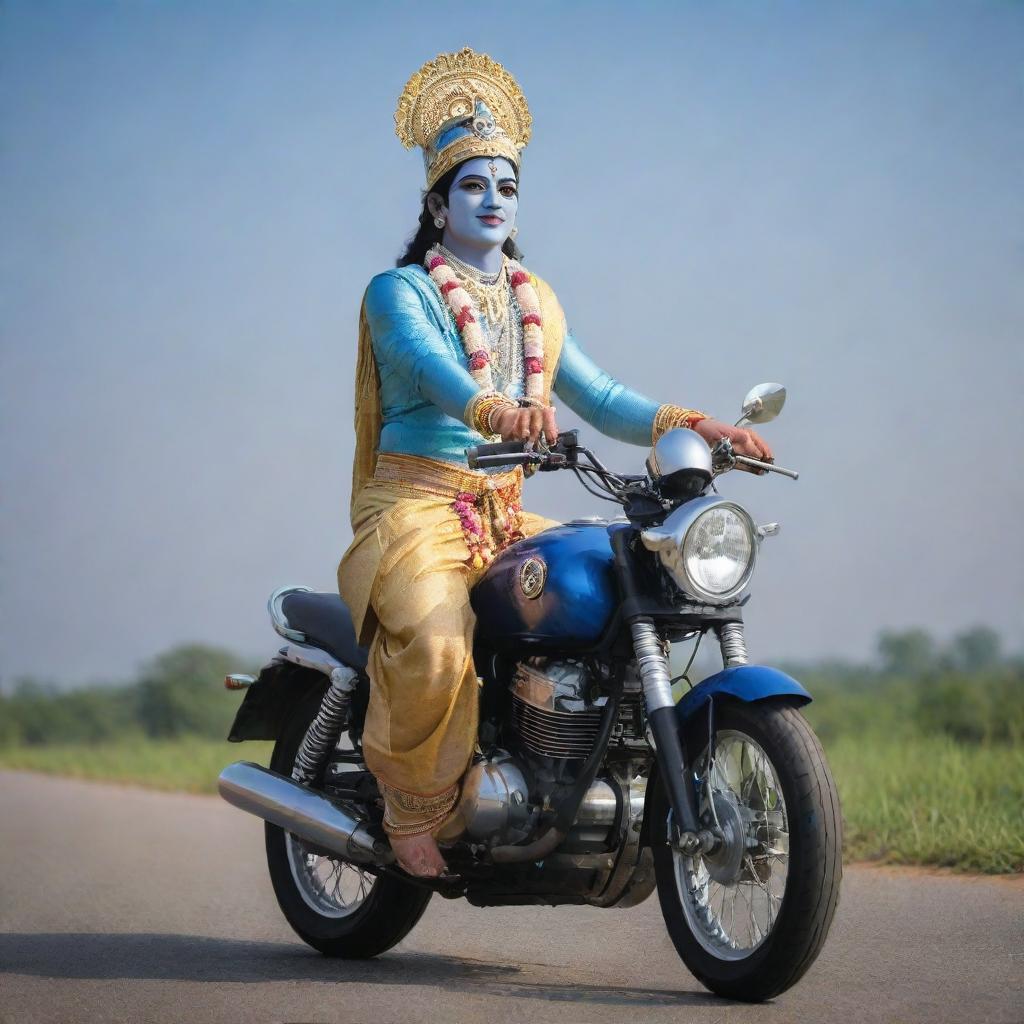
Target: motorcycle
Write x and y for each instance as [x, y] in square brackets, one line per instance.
[592, 783]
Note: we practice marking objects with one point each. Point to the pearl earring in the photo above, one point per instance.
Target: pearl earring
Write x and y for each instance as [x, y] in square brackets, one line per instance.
[439, 222]
[513, 233]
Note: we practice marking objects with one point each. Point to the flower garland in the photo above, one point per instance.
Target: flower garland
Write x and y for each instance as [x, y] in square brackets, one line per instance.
[468, 322]
[489, 524]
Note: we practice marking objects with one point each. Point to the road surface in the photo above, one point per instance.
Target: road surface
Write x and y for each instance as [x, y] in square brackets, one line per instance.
[119, 904]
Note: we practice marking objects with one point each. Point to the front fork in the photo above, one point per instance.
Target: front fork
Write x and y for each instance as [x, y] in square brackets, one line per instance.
[673, 764]
[656, 680]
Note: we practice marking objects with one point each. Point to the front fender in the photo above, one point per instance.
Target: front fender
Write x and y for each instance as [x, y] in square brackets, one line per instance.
[744, 682]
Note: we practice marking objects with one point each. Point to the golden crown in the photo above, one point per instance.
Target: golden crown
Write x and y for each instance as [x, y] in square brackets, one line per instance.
[461, 105]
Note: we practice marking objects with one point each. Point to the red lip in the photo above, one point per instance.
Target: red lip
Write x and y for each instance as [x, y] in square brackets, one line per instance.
[491, 221]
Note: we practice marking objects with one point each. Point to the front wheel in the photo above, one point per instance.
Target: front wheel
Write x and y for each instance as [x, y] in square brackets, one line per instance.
[749, 918]
[336, 907]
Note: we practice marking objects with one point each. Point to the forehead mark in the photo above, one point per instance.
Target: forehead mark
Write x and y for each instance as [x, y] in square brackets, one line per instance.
[492, 165]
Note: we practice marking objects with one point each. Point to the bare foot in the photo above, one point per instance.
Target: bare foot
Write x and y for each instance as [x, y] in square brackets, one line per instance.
[419, 855]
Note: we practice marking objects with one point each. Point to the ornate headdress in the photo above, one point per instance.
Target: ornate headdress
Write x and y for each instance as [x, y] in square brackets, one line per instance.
[461, 105]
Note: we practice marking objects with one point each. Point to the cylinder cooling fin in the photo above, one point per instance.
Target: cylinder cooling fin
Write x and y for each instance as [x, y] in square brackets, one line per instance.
[551, 712]
[554, 733]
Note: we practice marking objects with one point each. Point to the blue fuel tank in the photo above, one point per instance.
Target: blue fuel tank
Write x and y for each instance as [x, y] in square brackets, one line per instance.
[554, 590]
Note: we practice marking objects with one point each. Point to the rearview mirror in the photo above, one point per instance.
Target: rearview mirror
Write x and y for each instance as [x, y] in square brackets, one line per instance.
[763, 403]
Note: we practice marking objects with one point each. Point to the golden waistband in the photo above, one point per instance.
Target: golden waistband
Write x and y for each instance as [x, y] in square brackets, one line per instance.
[440, 477]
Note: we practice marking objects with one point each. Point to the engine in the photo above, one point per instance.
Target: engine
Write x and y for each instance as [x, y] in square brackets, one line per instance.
[555, 718]
[557, 711]
[550, 710]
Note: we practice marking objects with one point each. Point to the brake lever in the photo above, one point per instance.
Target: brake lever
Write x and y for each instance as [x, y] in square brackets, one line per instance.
[561, 454]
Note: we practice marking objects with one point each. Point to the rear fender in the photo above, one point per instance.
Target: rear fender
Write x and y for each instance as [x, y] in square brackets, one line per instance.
[279, 687]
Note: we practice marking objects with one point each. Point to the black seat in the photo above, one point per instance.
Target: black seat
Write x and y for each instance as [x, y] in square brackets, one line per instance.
[327, 623]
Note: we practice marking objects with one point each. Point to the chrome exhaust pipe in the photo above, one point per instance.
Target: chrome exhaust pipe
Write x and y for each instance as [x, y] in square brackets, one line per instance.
[301, 811]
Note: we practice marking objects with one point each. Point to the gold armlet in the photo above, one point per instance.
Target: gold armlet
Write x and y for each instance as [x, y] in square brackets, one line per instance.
[670, 416]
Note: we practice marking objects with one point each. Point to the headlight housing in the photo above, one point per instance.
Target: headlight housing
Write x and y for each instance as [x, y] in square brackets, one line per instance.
[708, 546]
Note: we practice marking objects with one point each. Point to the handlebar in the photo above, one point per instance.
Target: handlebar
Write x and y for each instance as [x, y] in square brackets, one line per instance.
[566, 453]
[723, 458]
[516, 453]
[509, 453]
[769, 466]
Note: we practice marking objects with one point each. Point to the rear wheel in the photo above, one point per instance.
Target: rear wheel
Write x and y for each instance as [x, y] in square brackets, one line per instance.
[750, 918]
[333, 905]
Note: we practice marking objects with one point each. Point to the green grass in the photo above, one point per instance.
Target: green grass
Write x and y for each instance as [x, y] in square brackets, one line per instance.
[931, 800]
[924, 800]
[191, 764]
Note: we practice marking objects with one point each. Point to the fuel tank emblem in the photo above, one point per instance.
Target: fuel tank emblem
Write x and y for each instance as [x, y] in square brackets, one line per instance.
[532, 574]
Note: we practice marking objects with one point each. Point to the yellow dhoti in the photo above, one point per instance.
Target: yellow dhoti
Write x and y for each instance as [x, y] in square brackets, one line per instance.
[424, 532]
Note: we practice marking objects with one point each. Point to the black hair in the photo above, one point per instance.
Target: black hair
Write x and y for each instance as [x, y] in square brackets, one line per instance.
[428, 233]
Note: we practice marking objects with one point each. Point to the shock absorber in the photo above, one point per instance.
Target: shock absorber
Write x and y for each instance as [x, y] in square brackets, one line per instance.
[324, 730]
[733, 644]
[652, 664]
[655, 678]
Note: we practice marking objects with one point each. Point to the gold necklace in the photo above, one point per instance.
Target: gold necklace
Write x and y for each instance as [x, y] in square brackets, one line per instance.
[490, 292]
[469, 322]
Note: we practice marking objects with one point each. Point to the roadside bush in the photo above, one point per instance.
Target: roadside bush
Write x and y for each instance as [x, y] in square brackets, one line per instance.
[986, 707]
[179, 693]
[38, 713]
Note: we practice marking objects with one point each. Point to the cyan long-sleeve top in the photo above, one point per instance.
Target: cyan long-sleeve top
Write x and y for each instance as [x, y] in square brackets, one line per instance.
[425, 382]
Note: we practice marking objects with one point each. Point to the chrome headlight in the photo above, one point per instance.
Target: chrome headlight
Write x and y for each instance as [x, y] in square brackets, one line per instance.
[708, 547]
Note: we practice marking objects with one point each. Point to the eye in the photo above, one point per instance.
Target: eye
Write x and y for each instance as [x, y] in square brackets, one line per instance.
[509, 191]
[473, 186]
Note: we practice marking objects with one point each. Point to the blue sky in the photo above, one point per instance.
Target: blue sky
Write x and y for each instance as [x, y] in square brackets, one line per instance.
[194, 196]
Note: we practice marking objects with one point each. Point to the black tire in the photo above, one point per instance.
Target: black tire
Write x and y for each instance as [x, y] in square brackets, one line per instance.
[390, 909]
[811, 892]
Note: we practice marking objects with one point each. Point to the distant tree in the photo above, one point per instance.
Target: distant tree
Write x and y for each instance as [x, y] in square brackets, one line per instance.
[180, 692]
[30, 688]
[977, 649]
[910, 653]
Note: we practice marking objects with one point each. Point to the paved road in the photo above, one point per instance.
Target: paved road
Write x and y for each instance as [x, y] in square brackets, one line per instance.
[118, 904]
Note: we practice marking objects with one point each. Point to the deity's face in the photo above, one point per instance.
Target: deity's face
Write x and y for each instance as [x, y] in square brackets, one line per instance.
[482, 205]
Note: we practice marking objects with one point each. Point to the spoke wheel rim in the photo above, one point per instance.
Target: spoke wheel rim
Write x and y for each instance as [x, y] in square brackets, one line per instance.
[333, 888]
[731, 919]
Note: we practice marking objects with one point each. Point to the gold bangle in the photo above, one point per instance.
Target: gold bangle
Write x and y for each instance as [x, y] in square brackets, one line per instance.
[490, 408]
[471, 415]
[481, 406]
[670, 416]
